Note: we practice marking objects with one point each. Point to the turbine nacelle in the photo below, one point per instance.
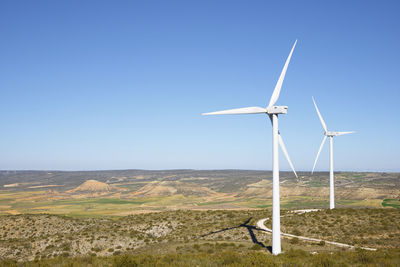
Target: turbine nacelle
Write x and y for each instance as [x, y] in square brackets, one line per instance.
[277, 110]
[332, 134]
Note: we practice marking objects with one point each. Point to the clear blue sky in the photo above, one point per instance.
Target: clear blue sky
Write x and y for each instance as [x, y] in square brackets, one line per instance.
[121, 84]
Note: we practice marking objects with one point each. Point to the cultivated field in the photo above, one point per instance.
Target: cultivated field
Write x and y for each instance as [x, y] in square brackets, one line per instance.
[119, 193]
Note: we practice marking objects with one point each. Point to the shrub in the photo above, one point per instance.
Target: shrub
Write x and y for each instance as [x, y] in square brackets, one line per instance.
[96, 249]
[125, 260]
[296, 232]
[324, 260]
[296, 253]
[364, 257]
[230, 258]
[256, 247]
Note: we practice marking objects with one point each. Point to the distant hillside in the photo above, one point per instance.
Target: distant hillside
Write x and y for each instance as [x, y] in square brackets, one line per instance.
[93, 186]
[168, 188]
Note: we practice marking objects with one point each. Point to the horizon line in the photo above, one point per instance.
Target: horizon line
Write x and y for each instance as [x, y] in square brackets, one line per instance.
[184, 169]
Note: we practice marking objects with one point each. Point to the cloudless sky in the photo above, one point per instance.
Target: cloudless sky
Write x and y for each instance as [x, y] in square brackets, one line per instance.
[121, 84]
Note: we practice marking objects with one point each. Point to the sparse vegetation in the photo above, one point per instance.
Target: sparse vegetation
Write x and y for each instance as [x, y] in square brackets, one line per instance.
[180, 232]
[361, 227]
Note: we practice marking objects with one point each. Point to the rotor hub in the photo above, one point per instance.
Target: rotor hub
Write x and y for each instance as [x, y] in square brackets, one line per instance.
[332, 134]
[277, 110]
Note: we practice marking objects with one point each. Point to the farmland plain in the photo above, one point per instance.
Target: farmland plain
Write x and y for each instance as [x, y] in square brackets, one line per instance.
[118, 193]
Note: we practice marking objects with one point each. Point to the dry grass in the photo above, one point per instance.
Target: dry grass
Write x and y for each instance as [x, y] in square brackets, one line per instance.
[26, 237]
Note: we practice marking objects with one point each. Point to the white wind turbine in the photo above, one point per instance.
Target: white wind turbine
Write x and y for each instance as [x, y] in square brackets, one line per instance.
[330, 135]
[273, 112]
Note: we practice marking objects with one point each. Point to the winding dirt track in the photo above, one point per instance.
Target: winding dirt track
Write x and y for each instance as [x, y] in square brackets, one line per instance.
[260, 224]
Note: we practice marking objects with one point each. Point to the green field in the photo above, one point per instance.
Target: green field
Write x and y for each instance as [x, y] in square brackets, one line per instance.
[395, 203]
[121, 207]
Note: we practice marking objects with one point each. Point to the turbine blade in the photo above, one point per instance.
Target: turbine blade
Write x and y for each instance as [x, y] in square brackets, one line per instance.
[248, 110]
[278, 86]
[319, 151]
[342, 133]
[282, 144]
[320, 117]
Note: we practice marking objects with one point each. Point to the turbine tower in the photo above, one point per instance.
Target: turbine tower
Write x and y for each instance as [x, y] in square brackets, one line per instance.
[330, 135]
[272, 111]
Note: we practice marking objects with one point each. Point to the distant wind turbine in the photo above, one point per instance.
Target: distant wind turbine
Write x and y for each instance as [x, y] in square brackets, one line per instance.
[273, 112]
[330, 135]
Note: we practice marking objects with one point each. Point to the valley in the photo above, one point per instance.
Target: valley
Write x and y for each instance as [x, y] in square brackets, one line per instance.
[120, 193]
